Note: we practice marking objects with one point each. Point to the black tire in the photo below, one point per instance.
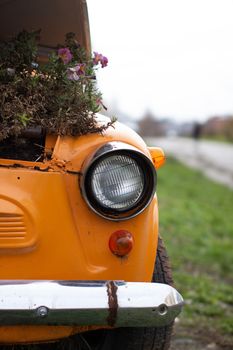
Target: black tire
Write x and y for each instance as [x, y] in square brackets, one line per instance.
[132, 338]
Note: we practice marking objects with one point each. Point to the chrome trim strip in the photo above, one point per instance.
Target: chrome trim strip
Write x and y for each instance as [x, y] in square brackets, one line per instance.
[102, 303]
[111, 147]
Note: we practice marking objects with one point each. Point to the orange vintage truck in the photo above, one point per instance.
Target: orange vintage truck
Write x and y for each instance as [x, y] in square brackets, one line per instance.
[81, 258]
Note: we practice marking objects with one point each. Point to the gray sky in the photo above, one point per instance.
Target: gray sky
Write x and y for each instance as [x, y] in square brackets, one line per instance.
[172, 57]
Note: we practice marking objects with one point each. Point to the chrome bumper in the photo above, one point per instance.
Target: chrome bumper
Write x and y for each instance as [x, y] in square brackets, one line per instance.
[105, 303]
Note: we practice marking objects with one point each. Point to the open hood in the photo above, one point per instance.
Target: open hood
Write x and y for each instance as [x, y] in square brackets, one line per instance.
[55, 18]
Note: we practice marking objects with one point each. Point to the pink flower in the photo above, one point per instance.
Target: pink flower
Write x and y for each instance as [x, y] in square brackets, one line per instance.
[99, 58]
[73, 73]
[65, 54]
[104, 62]
[80, 69]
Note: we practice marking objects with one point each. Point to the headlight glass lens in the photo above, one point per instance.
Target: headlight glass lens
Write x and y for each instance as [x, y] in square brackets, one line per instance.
[117, 182]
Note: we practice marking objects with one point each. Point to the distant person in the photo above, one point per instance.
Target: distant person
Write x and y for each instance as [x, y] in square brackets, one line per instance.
[196, 134]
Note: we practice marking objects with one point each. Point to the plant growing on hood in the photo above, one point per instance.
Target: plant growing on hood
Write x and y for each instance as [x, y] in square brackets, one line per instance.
[59, 95]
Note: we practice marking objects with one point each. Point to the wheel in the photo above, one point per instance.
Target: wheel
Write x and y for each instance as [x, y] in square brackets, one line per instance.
[133, 338]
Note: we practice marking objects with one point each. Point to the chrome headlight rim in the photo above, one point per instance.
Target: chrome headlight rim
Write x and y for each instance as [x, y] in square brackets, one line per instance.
[149, 175]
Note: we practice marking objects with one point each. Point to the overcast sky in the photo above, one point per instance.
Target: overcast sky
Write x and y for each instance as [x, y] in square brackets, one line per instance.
[172, 57]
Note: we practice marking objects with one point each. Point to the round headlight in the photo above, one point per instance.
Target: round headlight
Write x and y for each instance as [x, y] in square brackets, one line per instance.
[119, 183]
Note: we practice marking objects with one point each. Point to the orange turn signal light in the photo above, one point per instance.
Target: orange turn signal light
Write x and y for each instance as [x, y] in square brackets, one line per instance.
[121, 242]
[157, 155]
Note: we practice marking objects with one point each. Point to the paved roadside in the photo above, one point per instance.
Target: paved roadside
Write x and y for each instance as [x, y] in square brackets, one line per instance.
[192, 344]
[214, 159]
[186, 338]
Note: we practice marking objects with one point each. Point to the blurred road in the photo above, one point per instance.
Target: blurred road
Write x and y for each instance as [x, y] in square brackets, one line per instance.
[214, 159]
[189, 339]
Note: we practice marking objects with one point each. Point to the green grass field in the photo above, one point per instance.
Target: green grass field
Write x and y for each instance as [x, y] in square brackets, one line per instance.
[196, 223]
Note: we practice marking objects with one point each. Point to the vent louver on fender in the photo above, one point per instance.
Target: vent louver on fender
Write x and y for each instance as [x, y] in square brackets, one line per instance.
[16, 226]
[12, 226]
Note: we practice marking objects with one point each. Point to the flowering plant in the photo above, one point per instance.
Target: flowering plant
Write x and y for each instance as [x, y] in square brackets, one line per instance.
[59, 95]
